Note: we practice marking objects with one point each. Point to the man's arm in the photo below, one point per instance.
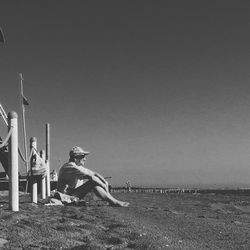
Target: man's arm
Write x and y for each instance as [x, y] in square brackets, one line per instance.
[100, 177]
[91, 175]
[103, 180]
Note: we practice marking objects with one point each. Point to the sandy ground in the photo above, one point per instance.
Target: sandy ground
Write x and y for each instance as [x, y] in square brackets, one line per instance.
[153, 221]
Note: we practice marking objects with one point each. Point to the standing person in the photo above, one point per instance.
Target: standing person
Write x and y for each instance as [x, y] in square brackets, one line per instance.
[76, 180]
[53, 175]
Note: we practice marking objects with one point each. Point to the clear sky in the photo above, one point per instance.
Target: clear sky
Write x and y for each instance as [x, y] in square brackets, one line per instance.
[157, 91]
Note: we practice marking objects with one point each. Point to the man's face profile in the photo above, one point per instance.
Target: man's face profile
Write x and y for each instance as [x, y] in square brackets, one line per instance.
[80, 160]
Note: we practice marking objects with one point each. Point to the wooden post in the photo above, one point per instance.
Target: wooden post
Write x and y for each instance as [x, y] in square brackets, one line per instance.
[33, 144]
[13, 162]
[48, 157]
[43, 182]
[24, 125]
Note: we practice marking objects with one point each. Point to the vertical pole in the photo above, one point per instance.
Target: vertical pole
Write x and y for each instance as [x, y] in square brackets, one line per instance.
[13, 162]
[48, 157]
[24, 125]
[43, 182]
[33, 144]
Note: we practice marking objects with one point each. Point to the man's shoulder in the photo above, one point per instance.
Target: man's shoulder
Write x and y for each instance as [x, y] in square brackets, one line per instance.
[72, 165]
[68, 165]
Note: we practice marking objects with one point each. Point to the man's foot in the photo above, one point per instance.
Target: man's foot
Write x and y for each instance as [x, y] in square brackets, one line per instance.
[119, 204]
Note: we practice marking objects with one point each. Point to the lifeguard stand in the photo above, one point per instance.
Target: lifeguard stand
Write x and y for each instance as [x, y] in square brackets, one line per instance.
[4, 178]
[4, 150]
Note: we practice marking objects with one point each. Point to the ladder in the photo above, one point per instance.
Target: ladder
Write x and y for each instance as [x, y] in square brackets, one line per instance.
[3, 114]
[4, 150]
[4, 159]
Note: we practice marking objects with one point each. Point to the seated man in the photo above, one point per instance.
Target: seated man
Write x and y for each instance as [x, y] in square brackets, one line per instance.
[73, 174]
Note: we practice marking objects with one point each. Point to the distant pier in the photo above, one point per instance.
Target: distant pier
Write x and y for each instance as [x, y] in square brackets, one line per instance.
[182, 190]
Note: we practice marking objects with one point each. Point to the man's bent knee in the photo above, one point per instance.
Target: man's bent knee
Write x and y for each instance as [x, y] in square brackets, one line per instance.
[84, 189]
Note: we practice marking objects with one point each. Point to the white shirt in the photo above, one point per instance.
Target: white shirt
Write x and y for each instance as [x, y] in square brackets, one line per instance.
[71, 176]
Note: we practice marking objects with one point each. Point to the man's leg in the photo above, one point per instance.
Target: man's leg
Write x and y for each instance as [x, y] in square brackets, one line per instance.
[82, 190]
[89, 186]
[106, 196]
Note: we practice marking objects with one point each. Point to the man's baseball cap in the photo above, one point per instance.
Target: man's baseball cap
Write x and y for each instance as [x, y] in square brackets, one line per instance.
[77, 151]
